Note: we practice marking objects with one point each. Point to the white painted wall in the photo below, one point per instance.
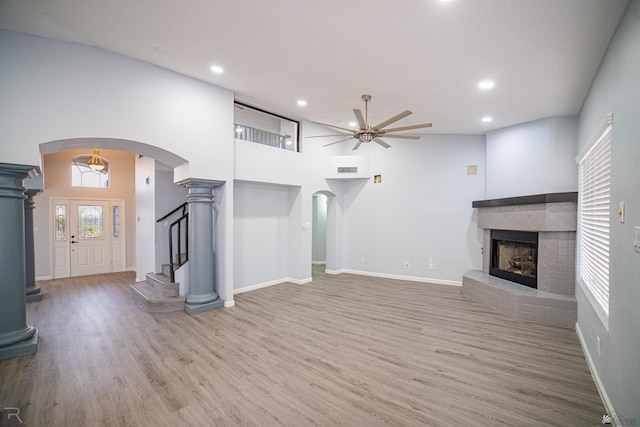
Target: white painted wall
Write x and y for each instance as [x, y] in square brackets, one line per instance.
[57, 168]
[532, 158]
[145, 216]
[616, 89]
[87, 92]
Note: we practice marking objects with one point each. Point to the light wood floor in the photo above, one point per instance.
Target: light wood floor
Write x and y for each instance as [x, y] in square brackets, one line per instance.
[343, 350]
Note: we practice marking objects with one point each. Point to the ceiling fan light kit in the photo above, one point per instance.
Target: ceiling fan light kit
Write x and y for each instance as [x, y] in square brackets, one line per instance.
[368, 133]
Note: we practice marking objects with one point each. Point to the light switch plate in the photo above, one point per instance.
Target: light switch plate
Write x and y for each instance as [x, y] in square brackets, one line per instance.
[636, 241]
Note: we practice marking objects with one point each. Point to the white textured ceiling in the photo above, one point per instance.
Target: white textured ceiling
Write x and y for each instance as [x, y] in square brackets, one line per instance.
[422, 55]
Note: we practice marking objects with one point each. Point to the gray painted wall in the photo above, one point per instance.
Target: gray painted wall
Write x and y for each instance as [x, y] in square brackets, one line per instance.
[261, 233]
[616, 89]
[533, 158]
[421, 209]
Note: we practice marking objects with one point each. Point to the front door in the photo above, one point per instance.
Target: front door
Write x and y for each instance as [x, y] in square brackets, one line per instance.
[90, 237]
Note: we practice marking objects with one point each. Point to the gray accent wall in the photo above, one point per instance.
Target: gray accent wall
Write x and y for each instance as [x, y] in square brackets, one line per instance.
[532, 158]
[420, 210]
[616, 89]
[263, 247]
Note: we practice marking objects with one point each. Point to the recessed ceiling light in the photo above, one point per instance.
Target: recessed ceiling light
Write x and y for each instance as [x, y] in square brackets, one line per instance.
[353, 124]
[216, 69]
[486, 84]
[302, 102]
[487, 119]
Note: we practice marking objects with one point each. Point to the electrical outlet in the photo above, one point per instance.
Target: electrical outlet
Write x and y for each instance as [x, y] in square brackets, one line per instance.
[636, 241]
[406, 264]
[362, 260]
[598, 346]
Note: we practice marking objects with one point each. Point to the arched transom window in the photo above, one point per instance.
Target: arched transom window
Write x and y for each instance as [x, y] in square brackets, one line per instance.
[90, 170]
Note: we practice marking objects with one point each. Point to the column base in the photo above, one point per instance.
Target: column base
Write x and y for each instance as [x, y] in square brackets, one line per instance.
[34, 294]
[200, 308]
[22, 348]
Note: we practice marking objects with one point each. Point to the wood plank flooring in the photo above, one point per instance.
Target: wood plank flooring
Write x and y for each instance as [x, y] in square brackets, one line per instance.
[343, 350]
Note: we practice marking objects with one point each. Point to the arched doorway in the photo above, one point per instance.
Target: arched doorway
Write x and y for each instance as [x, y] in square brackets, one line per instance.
[323, 237]
[130, 223]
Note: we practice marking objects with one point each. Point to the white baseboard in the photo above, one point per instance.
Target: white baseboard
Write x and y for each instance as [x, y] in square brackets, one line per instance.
[608, 406]
[39, 278]
[271, 283]
[228, 304]
[300, 281]
[319, 262]
[400, 277]
[334, 271]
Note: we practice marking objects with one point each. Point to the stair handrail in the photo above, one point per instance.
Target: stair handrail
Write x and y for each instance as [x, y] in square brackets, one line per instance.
[178, 223]
[182, 206]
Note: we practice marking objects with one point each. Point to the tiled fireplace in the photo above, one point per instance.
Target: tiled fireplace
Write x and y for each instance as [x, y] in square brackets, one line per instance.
[551, 299]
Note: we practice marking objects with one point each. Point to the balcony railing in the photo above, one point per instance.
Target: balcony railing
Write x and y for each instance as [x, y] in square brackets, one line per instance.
[248, 133]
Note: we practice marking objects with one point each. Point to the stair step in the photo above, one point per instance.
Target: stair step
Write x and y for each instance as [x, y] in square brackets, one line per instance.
[162, 284]
[153, 300]
[166, 270]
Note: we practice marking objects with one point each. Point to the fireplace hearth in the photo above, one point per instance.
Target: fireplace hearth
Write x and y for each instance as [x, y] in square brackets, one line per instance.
[514, 256]
[530, 241]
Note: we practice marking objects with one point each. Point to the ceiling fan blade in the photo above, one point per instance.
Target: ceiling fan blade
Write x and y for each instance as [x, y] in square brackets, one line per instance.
[322, 136]
[423, 125]
[333, 126]
[381, 142]
[361, 121]
[393, 119]
[395, 135]
[355, 147]
[342, 140]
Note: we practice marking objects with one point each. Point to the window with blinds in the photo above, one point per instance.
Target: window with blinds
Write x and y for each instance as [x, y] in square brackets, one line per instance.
[594, 211]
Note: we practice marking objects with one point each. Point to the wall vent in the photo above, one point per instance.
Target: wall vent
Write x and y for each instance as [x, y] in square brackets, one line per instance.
[347, 169]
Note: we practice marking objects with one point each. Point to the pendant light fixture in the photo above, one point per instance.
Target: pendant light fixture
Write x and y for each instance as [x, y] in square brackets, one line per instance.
[96, 162]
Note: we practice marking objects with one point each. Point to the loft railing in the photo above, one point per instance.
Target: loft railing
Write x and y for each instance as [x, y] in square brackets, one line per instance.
[248, 133]
[177, 226]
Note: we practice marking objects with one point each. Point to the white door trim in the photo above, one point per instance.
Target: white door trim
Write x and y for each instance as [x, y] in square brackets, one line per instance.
[117, 246]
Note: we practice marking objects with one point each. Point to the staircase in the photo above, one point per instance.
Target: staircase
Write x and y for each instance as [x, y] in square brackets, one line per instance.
[157, 294]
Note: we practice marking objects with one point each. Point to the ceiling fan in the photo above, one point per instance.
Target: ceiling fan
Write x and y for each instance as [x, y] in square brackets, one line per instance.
[368, 133]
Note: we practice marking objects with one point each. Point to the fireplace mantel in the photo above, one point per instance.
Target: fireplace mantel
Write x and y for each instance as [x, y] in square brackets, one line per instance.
[527, 200]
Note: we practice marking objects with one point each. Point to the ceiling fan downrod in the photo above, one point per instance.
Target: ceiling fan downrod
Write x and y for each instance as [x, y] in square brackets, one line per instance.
[366, 99]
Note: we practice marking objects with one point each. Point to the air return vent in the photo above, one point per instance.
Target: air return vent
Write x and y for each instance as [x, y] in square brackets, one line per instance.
[347, 169]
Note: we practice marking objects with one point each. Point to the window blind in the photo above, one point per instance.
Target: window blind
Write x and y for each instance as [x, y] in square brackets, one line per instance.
[594, 215]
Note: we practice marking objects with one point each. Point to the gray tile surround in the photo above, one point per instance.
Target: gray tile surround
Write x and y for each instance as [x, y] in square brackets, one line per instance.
[554, 302]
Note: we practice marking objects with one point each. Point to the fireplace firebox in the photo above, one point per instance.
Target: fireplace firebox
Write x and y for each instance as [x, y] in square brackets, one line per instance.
[514, 256]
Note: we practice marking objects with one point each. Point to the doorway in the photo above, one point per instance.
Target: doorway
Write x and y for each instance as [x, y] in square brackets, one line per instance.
[88, 236]
[325, 245]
